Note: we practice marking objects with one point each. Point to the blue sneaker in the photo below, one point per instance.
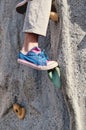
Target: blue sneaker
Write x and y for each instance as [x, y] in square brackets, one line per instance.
[36, 59]
[22, 6]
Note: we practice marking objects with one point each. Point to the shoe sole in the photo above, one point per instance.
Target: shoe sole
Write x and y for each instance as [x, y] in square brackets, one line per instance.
[50, 66]
[21, 7]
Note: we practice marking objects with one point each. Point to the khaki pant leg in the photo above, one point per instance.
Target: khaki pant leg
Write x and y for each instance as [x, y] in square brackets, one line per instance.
[37, 16]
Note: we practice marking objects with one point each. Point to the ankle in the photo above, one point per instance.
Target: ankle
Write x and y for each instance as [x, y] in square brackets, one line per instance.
[26, 49]
[32, 45]
[30, 41]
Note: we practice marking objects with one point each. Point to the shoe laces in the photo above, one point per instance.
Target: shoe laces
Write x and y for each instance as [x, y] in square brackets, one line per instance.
[43, 55]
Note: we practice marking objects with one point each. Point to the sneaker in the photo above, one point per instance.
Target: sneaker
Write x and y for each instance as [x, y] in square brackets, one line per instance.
[36, 59]
[22, 6]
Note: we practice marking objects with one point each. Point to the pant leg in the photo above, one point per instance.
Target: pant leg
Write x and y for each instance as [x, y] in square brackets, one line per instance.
[37, 16]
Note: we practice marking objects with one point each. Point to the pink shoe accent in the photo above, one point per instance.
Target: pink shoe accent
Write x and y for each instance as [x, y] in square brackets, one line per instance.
[36, 50]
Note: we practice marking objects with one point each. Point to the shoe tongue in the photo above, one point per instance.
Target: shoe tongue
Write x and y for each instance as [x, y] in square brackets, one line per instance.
[36, 50]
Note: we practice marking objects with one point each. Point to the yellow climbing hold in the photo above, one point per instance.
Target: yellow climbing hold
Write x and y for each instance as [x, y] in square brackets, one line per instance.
[20, 111]
[54, 16]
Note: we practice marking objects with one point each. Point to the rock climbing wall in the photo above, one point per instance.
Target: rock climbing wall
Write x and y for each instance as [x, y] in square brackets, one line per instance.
[47, 107]
[72, 57]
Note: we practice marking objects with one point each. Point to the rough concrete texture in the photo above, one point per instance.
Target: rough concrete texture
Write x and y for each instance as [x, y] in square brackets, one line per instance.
[48, 108]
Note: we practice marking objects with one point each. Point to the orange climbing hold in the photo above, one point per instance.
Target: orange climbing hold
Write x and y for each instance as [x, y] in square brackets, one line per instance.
[20, 111]
[54, 16]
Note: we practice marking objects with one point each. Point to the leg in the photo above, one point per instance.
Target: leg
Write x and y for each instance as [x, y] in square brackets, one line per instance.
[37, 17]
[30, 41]
[36, 22]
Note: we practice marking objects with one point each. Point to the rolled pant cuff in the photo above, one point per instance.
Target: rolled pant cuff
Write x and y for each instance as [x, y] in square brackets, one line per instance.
[35, 31]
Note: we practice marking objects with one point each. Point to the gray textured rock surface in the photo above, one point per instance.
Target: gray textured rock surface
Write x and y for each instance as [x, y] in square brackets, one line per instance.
[45, 105]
